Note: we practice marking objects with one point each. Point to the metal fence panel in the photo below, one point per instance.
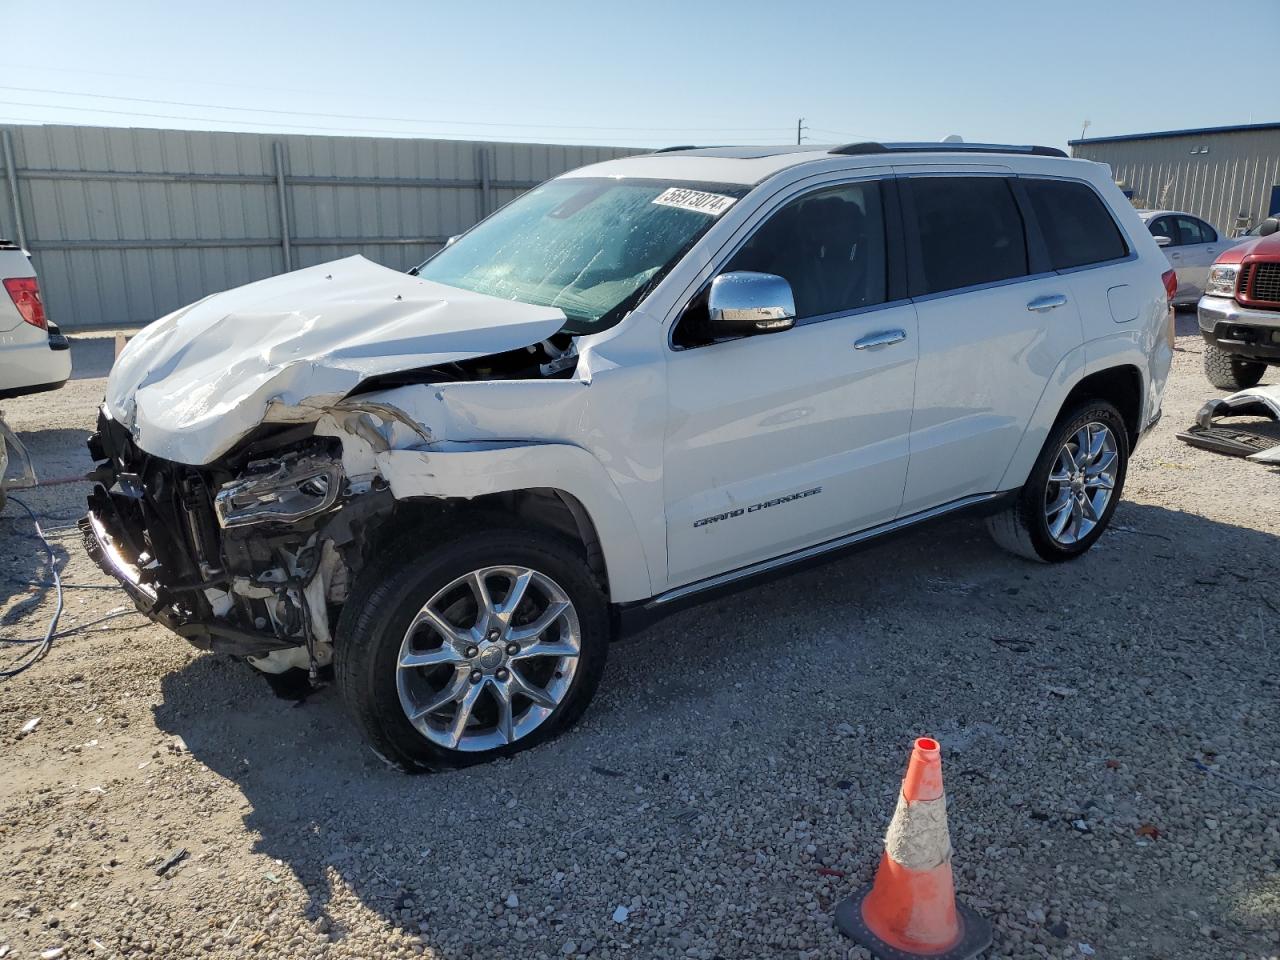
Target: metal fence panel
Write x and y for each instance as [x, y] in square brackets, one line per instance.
[126, 225]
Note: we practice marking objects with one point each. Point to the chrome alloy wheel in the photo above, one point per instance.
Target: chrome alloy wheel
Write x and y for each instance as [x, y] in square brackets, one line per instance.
[488, 658]
[1081, 483]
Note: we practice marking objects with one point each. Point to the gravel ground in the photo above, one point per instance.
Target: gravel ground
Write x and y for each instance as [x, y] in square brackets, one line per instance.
[1108, 733]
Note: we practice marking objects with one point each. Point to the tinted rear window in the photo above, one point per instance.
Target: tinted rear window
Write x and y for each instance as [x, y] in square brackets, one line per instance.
[1077, 227]
[970, 231]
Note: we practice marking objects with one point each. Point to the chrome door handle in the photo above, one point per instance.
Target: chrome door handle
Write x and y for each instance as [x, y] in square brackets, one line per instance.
[1046, 303]
[881, 339]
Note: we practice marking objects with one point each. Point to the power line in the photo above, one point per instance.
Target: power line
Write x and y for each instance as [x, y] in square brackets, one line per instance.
[355, 116]
[843, 133]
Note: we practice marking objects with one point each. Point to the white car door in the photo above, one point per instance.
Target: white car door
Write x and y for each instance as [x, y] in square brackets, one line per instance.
[1192, 247]
[991, 334]
[781, 441]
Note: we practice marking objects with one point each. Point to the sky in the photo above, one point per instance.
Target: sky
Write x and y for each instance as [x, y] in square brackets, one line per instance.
[636, 75]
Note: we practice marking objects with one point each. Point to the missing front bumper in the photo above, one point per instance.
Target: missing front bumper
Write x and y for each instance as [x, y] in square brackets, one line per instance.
[106, 551]
[1258, 441]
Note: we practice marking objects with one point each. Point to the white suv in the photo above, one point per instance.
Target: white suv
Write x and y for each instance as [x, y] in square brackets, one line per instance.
[644, 381]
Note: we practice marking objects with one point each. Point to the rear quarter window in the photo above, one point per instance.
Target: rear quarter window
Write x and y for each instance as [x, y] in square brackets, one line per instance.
[1075, 223]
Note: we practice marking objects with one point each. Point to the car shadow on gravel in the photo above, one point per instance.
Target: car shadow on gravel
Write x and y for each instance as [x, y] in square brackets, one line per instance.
[345, 824]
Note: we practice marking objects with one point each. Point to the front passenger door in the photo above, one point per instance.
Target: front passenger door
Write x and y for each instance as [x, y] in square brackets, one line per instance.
[781, 441]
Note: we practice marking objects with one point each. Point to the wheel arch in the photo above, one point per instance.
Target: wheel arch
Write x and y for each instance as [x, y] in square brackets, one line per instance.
[558, 487]
[541, 508]
[1121, 384]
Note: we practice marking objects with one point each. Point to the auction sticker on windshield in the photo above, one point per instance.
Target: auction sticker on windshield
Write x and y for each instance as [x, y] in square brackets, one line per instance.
[713, 204]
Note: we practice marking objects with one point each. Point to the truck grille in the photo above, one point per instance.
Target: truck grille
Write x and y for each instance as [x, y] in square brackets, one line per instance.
[1262, 282]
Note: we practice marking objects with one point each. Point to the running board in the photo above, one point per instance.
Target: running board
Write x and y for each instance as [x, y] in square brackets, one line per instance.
[644, 612]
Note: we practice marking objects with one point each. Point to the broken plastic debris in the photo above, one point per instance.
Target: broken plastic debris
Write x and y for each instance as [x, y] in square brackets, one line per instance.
[620, 914]
[53, 953]
[171, 861]
[29, 726]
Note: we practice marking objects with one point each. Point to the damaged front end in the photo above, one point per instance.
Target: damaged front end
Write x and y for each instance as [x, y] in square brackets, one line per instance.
[250, 555]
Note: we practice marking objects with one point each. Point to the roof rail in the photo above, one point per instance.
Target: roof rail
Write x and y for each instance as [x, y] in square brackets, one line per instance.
[871, 147]
[686, 146]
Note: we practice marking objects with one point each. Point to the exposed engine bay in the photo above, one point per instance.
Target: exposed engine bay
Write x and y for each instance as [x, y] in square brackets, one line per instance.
[253, 553]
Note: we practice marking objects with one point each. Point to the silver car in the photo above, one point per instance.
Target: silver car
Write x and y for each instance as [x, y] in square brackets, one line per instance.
[1190, 244]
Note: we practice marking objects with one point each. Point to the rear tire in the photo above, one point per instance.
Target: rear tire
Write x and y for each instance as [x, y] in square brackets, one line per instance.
[1231, 373]
[1035, 526]
[415, 632]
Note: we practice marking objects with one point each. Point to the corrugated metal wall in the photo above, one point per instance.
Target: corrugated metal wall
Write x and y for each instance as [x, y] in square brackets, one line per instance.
[1216, 176]
[125, 225]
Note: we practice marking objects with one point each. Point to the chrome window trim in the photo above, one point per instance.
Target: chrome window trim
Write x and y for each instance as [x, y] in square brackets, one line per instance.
[857, 312]
[1101, 263]
[979, 287]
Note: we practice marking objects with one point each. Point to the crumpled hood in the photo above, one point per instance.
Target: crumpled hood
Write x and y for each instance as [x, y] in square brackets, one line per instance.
[194, 383]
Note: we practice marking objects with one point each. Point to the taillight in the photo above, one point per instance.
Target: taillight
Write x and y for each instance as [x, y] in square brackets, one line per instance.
[25, 293]
[1170, 279]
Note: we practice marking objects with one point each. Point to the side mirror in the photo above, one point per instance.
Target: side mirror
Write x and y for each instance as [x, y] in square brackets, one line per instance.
[743, 303]
[1163, 241]
[1268, 227]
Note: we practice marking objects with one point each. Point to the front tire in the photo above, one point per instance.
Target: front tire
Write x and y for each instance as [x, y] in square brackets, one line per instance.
[1231, 373]
[1072, 492]
[477, 646]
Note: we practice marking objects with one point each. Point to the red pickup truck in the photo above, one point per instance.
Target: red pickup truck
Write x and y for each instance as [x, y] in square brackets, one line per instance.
[1240, 312]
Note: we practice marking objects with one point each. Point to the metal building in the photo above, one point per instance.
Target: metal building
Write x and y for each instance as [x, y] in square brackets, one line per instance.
[125, 225]
[1229, 176]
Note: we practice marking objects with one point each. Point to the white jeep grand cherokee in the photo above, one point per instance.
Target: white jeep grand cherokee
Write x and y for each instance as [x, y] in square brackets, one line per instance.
[643, 381]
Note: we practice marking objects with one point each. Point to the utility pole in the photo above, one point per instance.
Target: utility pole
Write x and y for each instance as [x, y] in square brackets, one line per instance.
[1085, 127]
[799, 131]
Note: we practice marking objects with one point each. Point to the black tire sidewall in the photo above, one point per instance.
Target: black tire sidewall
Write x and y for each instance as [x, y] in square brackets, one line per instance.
[374, 622]
[1226, 371]
[1031, 506]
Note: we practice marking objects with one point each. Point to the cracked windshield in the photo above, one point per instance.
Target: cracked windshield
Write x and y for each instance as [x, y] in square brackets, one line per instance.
[591, 247]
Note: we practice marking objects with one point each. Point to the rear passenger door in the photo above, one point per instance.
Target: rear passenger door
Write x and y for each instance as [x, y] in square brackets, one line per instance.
[994, 322]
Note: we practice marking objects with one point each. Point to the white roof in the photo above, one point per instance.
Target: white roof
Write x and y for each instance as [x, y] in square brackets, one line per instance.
[749, 165]
[745, 165]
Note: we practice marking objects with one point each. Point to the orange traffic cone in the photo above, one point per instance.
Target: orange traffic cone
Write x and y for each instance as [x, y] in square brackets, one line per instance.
[911, 909]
